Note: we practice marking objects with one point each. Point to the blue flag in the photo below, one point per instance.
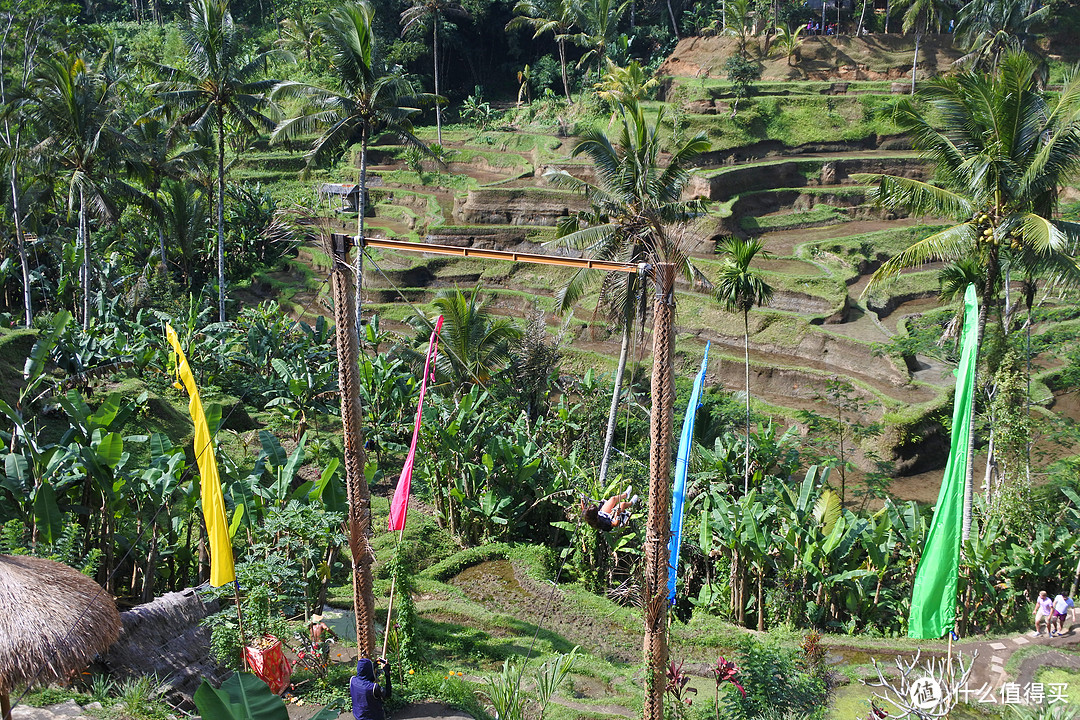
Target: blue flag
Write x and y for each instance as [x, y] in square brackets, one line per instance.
[682, 465]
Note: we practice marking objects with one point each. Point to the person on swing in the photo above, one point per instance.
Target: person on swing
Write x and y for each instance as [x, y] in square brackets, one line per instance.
[610, 513]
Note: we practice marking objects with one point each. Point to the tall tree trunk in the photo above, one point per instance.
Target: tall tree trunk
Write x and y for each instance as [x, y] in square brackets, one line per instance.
[84, 240]
[435, 53]
[20, 243]
[562, 65]
[992, 272]
[656, 539]
[991, 466]
[915, 61]
[741, 581]
[358, 273]
[674, 25]
[613, 412]
[221, 213]
[761, 597]
[356, 487]
[1027, 394]
[161, 246]
[149, 575]
[862, 14]
[746, 356]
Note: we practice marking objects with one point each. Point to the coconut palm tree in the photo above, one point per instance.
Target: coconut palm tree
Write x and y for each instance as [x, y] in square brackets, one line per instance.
[740, 289]
[599, 25]
[183, 219]
[220, 84]
[635, 200]
[474, 344]
[368, 102]
[991, 28]
[415, 17]
[789, 42]
[557, 17]
[918, 16]
[162, 155]
[78, 113]
[1001, 149]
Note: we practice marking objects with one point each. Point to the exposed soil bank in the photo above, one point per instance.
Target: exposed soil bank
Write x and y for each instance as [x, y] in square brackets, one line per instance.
[873, 57]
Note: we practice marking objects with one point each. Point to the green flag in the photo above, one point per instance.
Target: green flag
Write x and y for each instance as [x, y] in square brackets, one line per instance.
[933, 600]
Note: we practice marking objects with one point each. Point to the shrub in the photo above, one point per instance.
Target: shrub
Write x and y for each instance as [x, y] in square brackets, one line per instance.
[776, 680]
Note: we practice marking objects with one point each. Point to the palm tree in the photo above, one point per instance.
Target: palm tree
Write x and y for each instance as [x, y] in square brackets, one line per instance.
[789, 42]
[475, 344]
[634, 200]
[557, 17]
[75, 106]
[740, 289]
[1002, 151]
[415, 17]
[742, 21]
[991, 28]
[918, 17]
[161, 157]
[298, 33]
[183, 218]
[220, 85]
[368, 103]
[599, 27]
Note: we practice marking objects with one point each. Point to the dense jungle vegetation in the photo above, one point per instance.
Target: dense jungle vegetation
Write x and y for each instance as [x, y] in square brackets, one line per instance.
[131, 199]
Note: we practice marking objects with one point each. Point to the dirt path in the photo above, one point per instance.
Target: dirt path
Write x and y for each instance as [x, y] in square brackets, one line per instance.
[989, 668]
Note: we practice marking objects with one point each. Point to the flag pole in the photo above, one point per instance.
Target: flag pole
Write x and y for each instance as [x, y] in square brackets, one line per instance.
[240, 621]
[949, 675]
[390, 607]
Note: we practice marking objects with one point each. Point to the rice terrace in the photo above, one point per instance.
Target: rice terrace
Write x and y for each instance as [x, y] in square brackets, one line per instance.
[560, 359]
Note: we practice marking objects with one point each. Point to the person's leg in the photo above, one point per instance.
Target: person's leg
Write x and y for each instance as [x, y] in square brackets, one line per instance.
[610, 503]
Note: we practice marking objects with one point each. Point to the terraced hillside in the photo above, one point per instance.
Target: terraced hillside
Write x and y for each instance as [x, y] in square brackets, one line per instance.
[824, 241]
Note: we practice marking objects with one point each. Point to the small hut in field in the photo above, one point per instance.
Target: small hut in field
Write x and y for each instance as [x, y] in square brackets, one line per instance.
[166, 638]
[53, 621]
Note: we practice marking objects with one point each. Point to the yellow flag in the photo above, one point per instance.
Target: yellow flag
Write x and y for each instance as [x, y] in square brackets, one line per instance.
[221, 557]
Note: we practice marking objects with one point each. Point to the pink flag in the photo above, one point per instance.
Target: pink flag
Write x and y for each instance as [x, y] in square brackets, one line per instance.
[400, 505]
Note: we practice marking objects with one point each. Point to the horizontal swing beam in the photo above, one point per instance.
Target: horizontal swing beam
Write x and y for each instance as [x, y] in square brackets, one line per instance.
[343, 242]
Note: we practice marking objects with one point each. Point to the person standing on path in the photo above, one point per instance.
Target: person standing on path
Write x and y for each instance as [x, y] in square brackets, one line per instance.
[1044, 608]
[1060, 612]
[367, 695]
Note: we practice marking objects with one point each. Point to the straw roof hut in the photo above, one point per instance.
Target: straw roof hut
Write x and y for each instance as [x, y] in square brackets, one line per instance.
[53, 620]
[166, 638]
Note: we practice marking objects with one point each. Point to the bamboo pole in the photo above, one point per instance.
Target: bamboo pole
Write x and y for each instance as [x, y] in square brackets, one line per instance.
[390, 607]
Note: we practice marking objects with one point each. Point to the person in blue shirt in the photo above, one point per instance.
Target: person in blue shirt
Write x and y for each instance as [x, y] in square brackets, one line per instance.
[367, 695]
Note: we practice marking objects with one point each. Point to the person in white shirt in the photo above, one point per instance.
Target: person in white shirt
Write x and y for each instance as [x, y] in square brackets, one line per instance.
[1058, 614]
[1044, 608]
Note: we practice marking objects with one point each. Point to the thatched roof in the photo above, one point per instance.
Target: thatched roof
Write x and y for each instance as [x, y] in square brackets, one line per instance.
[166, 637]
[53, 620]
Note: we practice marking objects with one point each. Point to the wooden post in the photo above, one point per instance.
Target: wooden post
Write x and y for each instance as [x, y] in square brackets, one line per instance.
[659, 520]
[5, 706]
[356, 487]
